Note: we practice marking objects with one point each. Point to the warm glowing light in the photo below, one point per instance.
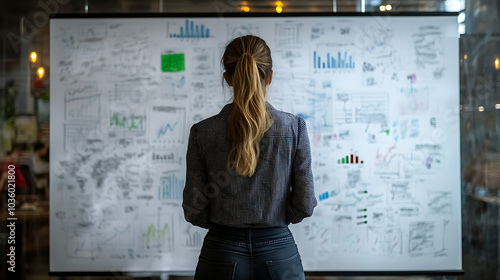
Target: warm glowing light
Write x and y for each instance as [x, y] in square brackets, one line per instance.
[40, 72]
[33, 57]
[497, 106]
[465, 56]
[245, 9]
[497, 64]
[480, 109]
[279, 9]
[388, 7]
[279, 4]
[382, 8]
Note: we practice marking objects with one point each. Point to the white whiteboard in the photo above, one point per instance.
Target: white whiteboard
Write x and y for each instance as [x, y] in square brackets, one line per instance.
[380, 96]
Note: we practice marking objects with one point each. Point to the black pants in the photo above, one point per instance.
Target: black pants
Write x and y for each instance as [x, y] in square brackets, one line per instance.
[245, 253]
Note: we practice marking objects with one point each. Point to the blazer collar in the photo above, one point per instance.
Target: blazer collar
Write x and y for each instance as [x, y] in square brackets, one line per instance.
[229, 107]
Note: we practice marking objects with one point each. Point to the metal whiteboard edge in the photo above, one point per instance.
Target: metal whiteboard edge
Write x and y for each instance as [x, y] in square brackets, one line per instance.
[247, 15]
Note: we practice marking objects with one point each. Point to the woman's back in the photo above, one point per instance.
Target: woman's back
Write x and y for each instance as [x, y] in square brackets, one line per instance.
[264, 199]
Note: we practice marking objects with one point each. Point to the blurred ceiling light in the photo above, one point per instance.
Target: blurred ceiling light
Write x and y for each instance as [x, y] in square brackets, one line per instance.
[454, 5]
[465, 56]
[497, 106]
[33, 57]
[382, 8]
[279, 7]
[461, 17]
[245, 9]
[388, 7]
[40, 72]
[461, 28]
[480, 108]
[497, 63]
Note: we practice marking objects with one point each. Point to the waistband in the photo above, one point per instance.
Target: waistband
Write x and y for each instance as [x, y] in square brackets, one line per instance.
[245, 236]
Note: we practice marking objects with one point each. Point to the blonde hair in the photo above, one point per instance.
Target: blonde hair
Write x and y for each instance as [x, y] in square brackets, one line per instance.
[247, 62]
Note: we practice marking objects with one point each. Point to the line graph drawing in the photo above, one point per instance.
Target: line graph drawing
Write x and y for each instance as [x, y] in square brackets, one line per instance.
[130, 54]
[439, 202]
[92, 32]
[385, 240]
[113, 233]
[157, 232]
[370, 107]
[173, 88]
[82, 102]
[168, 124]
[79, 243]
[422, 238]
[388, 162]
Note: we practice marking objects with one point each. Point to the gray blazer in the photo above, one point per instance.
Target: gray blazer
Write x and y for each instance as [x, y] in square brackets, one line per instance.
[280, 192]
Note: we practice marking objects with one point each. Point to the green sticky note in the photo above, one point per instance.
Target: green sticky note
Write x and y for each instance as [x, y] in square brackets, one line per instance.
[172, 62]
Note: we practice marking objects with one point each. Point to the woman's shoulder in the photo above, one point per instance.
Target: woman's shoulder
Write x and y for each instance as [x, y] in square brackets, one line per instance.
[215, 122]
[283, 117]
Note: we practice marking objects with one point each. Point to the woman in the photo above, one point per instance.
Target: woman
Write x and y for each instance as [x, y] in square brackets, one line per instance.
[248, 176]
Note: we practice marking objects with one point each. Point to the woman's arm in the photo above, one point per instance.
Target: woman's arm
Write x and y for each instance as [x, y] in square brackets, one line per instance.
[302, 198]
[195, 203]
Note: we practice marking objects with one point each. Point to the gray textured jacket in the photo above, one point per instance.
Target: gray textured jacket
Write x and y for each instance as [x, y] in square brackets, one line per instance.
[280, 192]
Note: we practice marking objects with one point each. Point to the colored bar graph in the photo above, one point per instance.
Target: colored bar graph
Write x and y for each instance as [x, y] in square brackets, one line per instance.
[327, 195]
[350, 159]
[342, 62]
[170, 188]
[191, 30]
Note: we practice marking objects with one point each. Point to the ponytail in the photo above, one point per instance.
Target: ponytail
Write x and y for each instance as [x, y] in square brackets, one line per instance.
[249, 119]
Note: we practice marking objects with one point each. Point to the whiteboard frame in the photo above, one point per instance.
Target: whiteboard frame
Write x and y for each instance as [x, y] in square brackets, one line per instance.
[251, 15]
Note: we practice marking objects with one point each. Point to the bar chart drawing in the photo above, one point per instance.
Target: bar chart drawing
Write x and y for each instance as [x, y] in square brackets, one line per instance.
[350, 159]
[340, 60]
[193, 238]
[170, 188]
[191, 30]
